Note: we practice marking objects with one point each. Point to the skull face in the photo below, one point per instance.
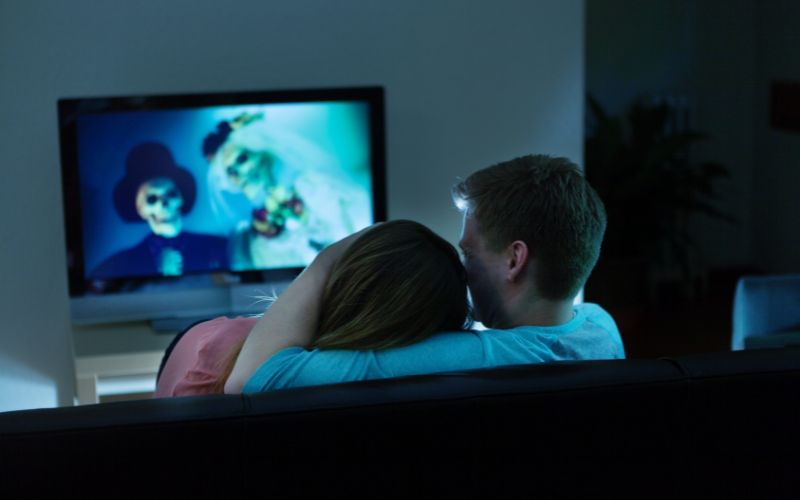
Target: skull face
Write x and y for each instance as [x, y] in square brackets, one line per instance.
[159, 202]
[249, 171]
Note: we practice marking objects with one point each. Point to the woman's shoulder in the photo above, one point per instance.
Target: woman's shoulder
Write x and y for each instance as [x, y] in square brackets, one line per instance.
[224, 330]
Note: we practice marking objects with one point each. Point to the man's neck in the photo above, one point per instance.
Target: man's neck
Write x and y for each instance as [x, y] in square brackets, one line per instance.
[542, 312]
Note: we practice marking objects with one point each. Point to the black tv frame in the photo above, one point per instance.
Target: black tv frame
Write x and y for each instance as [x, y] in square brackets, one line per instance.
[69, 110]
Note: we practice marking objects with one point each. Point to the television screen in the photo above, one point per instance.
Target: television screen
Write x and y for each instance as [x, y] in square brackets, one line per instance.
[167, 195]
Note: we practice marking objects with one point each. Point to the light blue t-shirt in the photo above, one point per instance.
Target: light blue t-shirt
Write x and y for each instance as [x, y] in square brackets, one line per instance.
[591, 334]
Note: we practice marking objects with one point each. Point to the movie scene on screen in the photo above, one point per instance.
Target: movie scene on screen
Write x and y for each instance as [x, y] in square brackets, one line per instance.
[171, 193]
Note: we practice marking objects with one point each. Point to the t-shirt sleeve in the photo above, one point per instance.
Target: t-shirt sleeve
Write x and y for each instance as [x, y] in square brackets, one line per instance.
[196, 363]
[298, 367]
[602, 319]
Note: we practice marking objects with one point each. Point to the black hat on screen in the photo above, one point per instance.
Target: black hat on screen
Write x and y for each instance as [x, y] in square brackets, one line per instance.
[146, 162]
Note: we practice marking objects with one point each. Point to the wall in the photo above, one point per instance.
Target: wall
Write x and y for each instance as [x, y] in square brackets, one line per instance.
[776, 173]
[726, 106]
[468, 83]
[638, 49]
[702, 53]
[721, 55]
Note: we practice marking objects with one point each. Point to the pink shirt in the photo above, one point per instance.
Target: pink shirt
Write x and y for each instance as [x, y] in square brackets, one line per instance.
[195, 363]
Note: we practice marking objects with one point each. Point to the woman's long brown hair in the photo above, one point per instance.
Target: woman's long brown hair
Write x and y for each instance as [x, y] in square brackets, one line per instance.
[397, 284]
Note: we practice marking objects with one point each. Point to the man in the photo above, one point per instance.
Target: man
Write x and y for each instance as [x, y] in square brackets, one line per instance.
[532, 232]
[158, 191]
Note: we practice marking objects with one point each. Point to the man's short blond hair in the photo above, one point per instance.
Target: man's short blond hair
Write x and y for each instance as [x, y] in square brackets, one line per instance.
[547, 203]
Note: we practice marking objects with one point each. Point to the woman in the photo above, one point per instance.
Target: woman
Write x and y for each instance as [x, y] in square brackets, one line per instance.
[390, 285]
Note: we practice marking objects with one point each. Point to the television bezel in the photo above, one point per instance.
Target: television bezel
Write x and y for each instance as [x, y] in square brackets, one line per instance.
[71, 108]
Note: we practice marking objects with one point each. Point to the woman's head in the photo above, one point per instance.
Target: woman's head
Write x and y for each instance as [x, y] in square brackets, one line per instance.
[397, 284]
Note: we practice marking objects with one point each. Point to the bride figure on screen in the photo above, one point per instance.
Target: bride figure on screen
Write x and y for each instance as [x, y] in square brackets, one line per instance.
[300, 199]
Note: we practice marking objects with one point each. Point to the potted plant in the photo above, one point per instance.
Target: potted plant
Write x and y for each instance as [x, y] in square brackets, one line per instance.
[641, 166]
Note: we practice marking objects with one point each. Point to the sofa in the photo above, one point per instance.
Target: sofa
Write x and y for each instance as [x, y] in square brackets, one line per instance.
[723, 424]
[766, 311]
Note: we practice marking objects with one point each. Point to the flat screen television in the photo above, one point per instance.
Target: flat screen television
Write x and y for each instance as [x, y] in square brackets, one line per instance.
[194, 205]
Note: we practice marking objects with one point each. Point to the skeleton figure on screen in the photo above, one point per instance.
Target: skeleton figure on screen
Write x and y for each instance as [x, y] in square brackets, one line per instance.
[157, 191]
[159, 203]
[297, 205]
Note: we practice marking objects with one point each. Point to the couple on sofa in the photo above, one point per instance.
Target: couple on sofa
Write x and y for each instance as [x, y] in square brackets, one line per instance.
[391, 300]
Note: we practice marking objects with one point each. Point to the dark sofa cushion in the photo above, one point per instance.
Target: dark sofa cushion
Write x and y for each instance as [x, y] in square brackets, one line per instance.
[657, 428]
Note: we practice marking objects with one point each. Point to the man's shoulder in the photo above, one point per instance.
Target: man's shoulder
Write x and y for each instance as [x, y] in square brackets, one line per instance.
[441, 345]
[591, 334]
[594, 313]
[599, 325]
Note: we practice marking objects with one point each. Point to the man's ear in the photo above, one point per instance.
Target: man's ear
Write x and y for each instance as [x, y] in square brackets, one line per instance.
[518, 257]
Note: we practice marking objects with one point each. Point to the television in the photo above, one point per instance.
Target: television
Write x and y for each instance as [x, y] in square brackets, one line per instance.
[183, 207]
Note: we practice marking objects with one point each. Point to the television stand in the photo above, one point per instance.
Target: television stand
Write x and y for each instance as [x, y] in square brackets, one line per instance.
[116, 361]
[116, 375]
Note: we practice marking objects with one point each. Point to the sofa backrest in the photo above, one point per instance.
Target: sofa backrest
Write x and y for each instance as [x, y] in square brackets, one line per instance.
[708, 424]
